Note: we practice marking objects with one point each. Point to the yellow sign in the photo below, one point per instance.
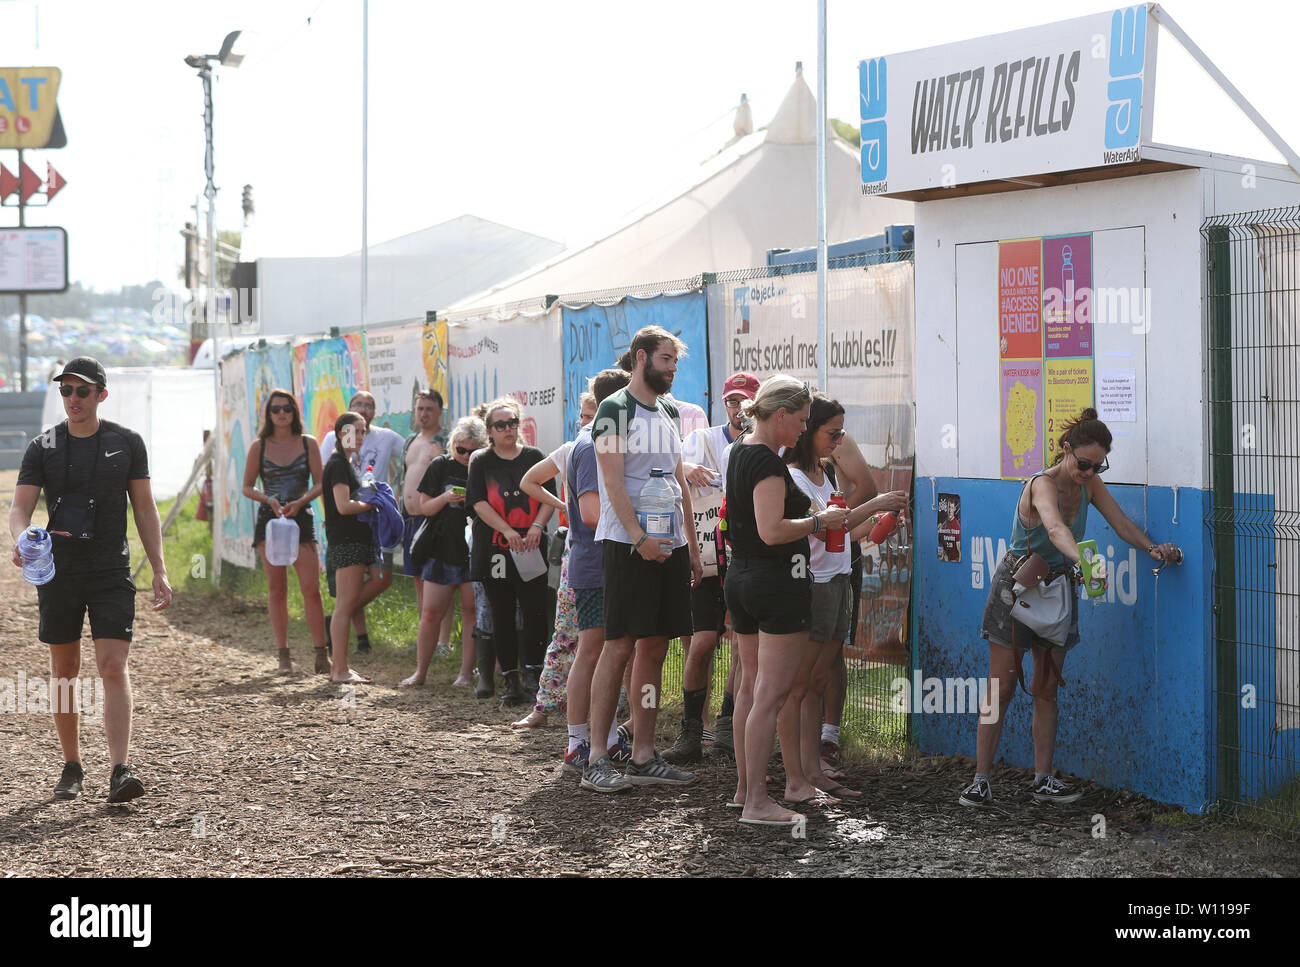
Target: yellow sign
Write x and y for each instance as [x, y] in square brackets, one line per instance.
[1067, 384]
[28, 106]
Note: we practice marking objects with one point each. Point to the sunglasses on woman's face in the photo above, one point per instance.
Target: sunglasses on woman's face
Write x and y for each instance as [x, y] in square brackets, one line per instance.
[281, 407]
[465, 451]
[1086, 465]
[81, 391]
[836, 434]
[509, 424]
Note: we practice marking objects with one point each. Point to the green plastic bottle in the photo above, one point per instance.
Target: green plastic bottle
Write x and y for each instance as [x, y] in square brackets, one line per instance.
[1088, 556]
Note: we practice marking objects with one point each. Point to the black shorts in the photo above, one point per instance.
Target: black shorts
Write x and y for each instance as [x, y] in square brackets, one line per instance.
[306, 525]
[109, 596]
[644, 599]
[409, 524]
[708, 607]
[763, 595]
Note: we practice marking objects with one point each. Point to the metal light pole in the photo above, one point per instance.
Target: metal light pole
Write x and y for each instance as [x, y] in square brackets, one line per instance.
[823, 349]
[203, 63]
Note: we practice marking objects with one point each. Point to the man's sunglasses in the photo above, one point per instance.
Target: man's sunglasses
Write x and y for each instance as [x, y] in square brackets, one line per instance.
[466, 451]
[509, 424]
[82, 391]
[281, 407]
[1086, 465]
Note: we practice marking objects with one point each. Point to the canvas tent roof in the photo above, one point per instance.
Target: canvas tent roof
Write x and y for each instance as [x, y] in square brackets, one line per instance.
[757, 194]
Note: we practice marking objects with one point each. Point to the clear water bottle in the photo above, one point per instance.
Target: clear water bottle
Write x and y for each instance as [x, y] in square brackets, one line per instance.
[282, 536]
[656, 508]
[37, 551]
[368, 480]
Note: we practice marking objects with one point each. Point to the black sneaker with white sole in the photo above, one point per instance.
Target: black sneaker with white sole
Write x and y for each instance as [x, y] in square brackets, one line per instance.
[1052, 789]
[69, 785]
[978, 793]
[124, 786]
[656, 771]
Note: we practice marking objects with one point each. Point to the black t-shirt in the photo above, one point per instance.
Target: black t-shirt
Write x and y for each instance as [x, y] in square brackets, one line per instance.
[100, 467]
[497, 481]
[342, 528]
[750, 464]
[449, 541]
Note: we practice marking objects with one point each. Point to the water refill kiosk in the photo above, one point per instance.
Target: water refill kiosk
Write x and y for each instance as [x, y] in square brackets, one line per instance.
[1060, 263]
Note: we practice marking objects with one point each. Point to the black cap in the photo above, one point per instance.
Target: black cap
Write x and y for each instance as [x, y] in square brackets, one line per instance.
[87, 368]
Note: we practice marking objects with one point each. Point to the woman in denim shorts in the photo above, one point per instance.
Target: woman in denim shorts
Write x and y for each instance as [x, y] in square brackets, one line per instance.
[1050, 519]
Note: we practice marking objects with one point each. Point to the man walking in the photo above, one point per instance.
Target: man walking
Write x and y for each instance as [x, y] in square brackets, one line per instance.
[87, 468]
[648, 582]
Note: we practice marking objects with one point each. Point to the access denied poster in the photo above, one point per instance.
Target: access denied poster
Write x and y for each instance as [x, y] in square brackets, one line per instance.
[1045, 346]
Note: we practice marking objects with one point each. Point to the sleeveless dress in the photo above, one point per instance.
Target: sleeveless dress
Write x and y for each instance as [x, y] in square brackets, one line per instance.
[997, 625]
[285, 482]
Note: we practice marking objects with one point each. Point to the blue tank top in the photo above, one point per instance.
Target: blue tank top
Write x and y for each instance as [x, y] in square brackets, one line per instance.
[1035, 539]
[285, 482]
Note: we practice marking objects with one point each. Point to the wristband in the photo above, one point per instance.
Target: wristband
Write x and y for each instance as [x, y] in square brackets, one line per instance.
[816, 525]
[537, 525]
[637, 545]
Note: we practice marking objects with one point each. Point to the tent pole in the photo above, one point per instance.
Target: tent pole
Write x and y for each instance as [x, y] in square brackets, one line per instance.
[822, 348]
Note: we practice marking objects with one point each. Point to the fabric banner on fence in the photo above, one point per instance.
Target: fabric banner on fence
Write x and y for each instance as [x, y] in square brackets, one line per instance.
[403, 360]
[326, 374]
[595, 336]
[267, 369]
[519, 357]
[235, 517]
[769, 325]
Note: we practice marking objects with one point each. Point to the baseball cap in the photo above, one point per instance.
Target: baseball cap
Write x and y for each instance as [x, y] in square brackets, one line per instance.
[87, 368]
[746, 384]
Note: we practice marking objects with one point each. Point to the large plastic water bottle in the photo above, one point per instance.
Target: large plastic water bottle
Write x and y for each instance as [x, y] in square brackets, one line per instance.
[656, 508]
[37, 551]
[281, 541]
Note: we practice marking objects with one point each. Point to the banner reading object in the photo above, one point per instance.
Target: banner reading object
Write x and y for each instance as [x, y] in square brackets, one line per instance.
[326, 374]
[1059, 97]
[518, 357]
[403, 361]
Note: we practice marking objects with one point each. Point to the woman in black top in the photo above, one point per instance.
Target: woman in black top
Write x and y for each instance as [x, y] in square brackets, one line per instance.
[351, 542]
[508, 520]
[448, 569]
[287, 460]
[769, 590]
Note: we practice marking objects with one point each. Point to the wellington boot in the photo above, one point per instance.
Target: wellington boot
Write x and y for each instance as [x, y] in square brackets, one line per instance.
[530, 676]
[487, 660]
[514, 694]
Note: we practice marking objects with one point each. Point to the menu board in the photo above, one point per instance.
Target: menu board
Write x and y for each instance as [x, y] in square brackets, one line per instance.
[33, 260]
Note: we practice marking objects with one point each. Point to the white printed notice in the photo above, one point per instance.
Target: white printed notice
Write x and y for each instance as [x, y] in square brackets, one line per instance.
[1117, 395]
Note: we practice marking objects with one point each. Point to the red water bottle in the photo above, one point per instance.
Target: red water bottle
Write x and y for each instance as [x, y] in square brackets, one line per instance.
[884, 527]
[835, 536]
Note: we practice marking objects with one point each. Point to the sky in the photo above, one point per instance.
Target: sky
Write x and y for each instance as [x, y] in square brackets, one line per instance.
[556, 118]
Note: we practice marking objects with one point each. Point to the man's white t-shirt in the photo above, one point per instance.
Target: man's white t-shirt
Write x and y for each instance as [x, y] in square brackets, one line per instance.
[707, 447]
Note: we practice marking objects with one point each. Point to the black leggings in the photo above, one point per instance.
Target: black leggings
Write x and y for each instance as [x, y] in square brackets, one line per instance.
[503, 595]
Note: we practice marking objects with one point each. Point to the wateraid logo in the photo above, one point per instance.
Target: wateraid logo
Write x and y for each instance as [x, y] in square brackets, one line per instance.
[984, 558]
[875, 132]
[1128, 50]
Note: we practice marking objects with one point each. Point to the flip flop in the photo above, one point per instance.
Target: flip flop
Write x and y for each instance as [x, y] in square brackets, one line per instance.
[844, 793]
[735, 805]
[356, 679]
[780, 823]
[813, 802]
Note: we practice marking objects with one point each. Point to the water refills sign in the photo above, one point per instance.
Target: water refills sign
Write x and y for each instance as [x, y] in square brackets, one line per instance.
[1060, 97]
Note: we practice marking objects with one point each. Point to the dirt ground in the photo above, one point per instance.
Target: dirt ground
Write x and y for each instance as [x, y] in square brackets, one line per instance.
[248, 774]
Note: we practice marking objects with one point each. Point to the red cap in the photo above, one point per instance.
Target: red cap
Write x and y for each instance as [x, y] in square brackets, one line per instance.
[743, 384]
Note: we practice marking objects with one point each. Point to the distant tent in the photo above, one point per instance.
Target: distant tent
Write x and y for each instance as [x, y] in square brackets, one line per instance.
[758, 193]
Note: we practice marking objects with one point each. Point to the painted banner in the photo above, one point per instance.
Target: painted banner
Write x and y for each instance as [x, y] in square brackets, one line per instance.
[1059, 97]
[266, 369]
[234, 512]
[1067, 389]
[1067, 296]
[326, 374]
[1020, 299]
[519, 357]
[1022, 418]
[595, 336]
[402, 361]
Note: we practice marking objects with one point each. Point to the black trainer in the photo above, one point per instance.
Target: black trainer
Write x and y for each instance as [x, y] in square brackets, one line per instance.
[69, 786]
[124, 786]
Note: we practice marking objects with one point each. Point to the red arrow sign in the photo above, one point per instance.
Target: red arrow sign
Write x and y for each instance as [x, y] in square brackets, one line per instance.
[30, 184]
[8, 183]
[53, 182]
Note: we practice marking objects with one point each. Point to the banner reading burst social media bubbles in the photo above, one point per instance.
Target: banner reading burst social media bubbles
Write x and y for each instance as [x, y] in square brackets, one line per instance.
[403, 361]
[517, 357]
[595, 336]
[326, 374]
[234, 512]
